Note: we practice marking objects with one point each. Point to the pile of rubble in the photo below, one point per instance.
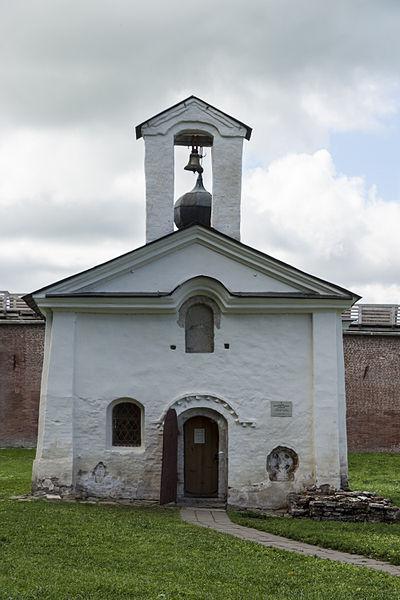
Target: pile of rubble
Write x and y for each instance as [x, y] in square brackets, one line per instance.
[325, 504]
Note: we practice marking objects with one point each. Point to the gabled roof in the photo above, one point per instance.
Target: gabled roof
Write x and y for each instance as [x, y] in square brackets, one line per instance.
[138, 128]
[308, 285]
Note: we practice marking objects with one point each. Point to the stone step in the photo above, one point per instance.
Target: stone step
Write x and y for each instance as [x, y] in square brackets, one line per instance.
[202, 502]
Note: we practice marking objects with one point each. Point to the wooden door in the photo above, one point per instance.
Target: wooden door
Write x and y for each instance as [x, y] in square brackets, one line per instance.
[169, 473]
[201, 457]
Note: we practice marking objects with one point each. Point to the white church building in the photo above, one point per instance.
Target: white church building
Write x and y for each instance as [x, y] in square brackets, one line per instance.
[194, 368]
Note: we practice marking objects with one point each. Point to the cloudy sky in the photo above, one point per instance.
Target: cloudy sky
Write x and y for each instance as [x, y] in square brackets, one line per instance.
[318, 81]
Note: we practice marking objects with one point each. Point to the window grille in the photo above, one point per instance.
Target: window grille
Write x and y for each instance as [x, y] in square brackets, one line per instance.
[126, 425]
[199, 329]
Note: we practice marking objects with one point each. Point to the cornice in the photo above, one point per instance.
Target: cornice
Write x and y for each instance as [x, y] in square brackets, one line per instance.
[170, 304]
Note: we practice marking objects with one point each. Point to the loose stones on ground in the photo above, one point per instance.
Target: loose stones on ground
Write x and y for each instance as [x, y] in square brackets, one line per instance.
[324, 504]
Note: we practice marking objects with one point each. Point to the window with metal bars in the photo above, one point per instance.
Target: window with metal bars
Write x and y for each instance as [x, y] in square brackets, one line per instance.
[126, 424]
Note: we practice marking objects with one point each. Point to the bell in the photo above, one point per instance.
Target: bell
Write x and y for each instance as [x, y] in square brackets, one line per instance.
[194, 161]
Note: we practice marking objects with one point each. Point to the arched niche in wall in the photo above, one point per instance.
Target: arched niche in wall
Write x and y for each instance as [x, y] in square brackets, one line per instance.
[199, 315]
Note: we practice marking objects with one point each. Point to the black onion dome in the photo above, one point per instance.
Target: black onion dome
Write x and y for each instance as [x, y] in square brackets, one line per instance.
[194, 207]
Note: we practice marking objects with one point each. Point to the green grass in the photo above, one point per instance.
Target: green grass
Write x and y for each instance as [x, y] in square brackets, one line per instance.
[86, 552]
[368, 471]
[376, 472]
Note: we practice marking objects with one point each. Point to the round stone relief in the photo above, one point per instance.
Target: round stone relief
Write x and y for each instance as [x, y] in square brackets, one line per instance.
[282, 463]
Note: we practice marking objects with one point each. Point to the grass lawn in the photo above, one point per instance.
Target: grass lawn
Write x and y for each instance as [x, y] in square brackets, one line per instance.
[376, 472]
[73, 551]
[372, 471]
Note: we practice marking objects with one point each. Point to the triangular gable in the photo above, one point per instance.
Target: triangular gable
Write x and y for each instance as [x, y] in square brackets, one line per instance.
[186, 106]
[159, 266]
[192, 259]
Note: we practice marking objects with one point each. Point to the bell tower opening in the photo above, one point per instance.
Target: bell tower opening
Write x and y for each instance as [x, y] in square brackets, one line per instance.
[193, 166]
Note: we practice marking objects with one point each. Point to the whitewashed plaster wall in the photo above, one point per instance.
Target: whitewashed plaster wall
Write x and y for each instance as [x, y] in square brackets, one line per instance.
[227, 185]
[95, 359]
[341, 405]
[55, 447]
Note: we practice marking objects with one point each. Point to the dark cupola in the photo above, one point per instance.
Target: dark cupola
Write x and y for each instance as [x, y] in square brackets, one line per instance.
[193, 207]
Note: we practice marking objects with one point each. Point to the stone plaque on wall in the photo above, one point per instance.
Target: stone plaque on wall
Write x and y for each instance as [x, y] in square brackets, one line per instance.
[281, 408]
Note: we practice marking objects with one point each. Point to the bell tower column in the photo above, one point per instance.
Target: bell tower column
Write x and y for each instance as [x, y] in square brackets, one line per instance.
[159, 173]
[227, 185]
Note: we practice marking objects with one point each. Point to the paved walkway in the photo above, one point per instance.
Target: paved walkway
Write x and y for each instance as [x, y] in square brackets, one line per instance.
[218, 519]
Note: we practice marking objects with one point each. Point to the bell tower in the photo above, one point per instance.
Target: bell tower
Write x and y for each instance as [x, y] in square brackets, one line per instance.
[193, 119]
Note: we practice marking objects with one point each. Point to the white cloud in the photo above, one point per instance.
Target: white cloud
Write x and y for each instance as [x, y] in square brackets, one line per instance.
[302, 211]
[377, 293]
[64, 163]
[361, 106]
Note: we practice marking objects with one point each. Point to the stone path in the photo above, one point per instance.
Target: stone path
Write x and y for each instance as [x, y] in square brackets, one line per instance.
[218, 519]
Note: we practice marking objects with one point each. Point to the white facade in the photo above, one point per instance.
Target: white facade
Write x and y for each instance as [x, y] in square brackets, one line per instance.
[115, 332]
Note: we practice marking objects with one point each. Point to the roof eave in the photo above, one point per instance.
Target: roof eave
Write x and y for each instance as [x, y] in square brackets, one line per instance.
[28, 299]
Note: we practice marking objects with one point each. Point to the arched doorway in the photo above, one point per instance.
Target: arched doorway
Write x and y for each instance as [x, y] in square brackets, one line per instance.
[220, 425]
[201, 457]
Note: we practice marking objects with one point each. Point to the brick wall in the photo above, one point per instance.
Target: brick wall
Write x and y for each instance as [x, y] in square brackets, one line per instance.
[372, 367]
[21, 357]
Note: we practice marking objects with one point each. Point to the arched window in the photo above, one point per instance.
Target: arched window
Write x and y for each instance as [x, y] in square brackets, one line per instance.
[199, 328]
[126, 424]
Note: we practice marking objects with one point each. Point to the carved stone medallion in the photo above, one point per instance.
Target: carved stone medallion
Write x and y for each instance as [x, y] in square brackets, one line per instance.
[282, 463]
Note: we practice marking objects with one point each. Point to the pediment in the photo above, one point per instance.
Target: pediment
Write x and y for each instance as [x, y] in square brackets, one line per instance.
[159, 268]
[193, 110]
[172, 268]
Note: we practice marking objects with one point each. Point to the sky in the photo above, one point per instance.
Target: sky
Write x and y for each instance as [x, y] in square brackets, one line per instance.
[319, 82]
